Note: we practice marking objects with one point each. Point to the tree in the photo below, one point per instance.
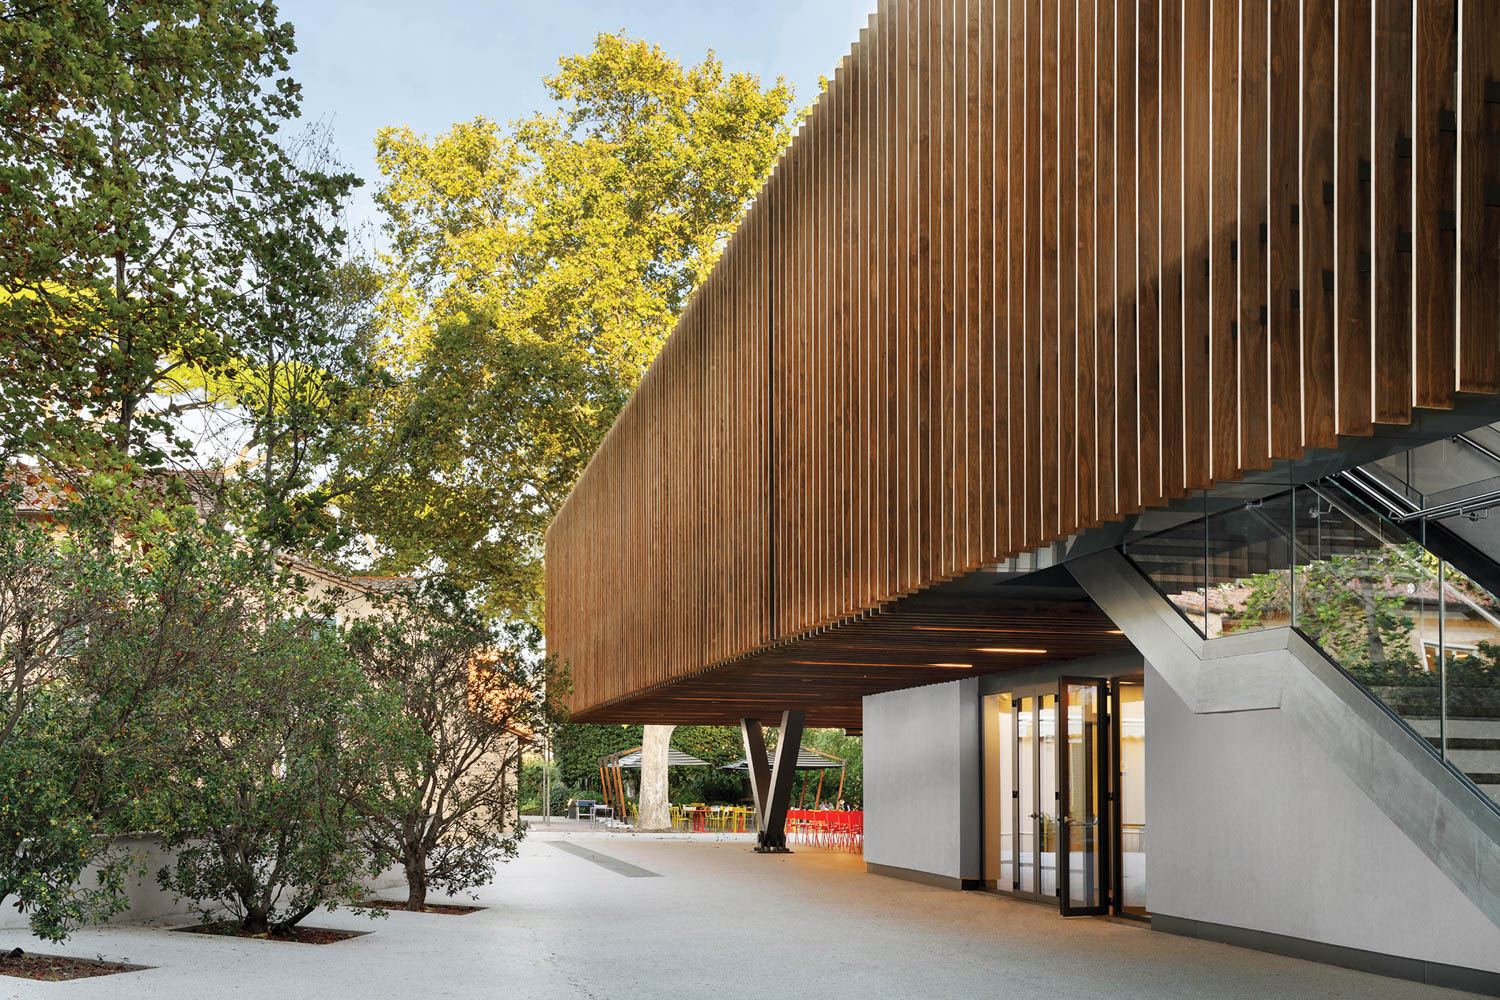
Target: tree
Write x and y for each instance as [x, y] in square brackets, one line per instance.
[577, 747]
[278, 771]
[155, 226]
[1353, 604]
[472, 701]
[106, 618]
[534, 272]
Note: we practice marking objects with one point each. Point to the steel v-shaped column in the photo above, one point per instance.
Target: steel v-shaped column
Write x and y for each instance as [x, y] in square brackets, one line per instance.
[772, 782]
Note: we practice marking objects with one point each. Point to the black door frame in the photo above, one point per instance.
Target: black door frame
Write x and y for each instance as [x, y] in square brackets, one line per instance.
[1104, 820]
[1116, 793]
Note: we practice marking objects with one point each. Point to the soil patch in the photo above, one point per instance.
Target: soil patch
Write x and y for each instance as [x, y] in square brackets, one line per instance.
[296, 935]
[451, 909]
[56, 968]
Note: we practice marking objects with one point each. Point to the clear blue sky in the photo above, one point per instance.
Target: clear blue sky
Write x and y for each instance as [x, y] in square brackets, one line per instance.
[430, 63]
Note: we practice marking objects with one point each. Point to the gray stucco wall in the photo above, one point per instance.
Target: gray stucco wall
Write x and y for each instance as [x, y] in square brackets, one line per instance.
[1251, 824]
[921, 760]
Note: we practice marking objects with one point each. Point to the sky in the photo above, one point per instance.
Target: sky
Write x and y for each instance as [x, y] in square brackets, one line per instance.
[429, 63]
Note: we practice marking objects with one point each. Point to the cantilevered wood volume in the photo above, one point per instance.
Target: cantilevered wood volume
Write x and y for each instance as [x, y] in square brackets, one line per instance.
[1028, 267]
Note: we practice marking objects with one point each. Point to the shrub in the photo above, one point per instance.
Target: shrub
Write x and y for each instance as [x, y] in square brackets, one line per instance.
[278, 773]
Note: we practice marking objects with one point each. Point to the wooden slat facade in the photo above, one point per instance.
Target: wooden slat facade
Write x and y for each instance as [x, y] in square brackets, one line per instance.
[1029, 267]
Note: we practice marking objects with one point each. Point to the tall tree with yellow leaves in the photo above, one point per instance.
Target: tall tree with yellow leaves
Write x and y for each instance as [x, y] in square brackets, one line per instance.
[534, 271]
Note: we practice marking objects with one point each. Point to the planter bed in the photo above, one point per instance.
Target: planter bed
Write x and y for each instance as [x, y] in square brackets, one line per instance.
[450, 909]
[297, 935]
[56, 968]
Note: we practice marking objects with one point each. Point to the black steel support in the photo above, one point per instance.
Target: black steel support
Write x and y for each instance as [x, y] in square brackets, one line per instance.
[771, 782]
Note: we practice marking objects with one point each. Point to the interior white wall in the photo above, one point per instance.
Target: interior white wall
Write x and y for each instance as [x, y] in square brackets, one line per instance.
[921, 779]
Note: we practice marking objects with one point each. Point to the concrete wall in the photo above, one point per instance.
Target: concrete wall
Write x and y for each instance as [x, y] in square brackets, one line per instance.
[1283, 800]
[147, 899]
[1250, 824]
[921, 773]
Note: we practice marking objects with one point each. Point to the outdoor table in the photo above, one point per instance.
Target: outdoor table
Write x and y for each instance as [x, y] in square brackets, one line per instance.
[700, 819]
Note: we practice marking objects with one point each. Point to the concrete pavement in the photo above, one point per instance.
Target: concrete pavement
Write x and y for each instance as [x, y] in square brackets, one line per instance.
[613, 916]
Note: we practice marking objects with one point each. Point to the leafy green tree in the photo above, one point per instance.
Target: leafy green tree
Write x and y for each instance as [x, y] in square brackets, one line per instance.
[156, 227]
[1353, 604]
[851, 749]
[105, 620]
[577, 747]
[278, 773]
[446, 809]
[534, 272]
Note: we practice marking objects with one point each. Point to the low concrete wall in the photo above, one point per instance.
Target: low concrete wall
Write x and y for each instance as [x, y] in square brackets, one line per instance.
[921, 780]
[147, 899]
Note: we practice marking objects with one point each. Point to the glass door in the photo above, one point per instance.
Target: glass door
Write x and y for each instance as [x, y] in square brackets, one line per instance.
[1026, 767]
[1129, 867]
[1083, 780]
[1046, 796]
[1028, 832]
[1000, 797]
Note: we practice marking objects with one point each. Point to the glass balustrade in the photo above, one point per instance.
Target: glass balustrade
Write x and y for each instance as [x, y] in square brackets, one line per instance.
[1416, 633]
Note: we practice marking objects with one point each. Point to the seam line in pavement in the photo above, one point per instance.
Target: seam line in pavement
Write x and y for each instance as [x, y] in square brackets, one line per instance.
[604, 860]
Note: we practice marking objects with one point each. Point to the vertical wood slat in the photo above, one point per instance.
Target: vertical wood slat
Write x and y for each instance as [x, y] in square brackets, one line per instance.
[1319, 378]
[1196, 171]
[1086, 72]
[1132, 457]
[1107, 163]
[1021, 496]
[1148, 282]
[825, 432]
[1173, 428]
[1353, 222]
[976, 354]
[1434, 202]
[1479, 198]
[1254, 194]
[1223, 240]
[927, 109]
[1031, 104]
[1391, 168]
[1284, 254]
[949, 486]
[1068, 403]
[994, 28]
[1048, 335]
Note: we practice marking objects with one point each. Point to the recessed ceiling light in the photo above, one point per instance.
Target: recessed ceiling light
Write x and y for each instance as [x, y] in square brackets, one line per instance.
[1007, 649]
[957, 666]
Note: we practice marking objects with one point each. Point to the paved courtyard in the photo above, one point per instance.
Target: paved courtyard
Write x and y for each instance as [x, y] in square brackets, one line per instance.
[616, 916]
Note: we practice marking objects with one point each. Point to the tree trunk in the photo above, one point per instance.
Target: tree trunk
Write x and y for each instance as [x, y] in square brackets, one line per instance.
[256, 921]
[1374, 642]
[416, 883]
[656, 811]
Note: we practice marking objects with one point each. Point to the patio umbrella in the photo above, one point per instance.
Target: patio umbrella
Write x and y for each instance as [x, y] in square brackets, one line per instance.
[675, 758]
[808, 759]
[611, 766]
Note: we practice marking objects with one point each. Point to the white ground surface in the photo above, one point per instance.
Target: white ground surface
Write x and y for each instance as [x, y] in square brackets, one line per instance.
[720, 921]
